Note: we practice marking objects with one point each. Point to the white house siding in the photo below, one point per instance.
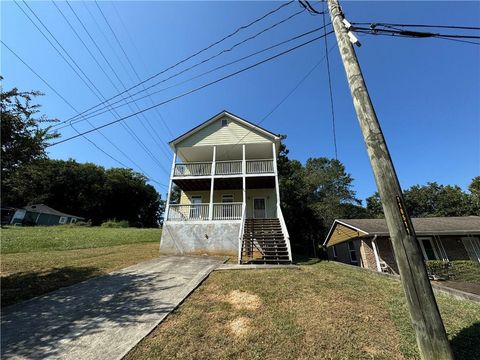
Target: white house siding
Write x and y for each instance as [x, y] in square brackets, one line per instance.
[216, 134]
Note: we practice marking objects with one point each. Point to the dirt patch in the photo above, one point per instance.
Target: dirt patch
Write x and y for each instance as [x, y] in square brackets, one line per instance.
[240, 326]
[242, 300]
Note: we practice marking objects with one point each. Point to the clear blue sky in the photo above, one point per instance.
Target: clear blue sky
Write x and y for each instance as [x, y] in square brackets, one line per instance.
[426, 91]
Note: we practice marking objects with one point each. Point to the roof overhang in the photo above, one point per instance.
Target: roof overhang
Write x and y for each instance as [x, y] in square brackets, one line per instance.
[337, 227]
[266, 133]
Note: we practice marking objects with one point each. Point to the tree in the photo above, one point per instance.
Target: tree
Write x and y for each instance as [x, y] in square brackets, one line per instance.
[312, 196]
[86, 190]
[474, 189]
[24, 135]
[432, 200]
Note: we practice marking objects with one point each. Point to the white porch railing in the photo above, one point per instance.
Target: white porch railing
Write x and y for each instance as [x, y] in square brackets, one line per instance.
[284, 230]
[260, 166]
[227, 211]
[228, 167]
[189, 212]
[193, 169]
[200, 212]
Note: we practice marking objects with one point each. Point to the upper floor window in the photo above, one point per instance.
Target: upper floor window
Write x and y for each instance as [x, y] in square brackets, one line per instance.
[224, 122]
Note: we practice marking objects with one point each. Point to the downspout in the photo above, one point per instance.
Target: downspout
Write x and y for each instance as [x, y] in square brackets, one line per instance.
[375, 252]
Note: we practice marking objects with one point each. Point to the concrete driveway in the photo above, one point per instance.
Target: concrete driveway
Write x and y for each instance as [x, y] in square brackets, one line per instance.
[102, 318]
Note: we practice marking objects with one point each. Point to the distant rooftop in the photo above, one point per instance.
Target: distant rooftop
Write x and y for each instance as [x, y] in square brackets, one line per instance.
[44, 209]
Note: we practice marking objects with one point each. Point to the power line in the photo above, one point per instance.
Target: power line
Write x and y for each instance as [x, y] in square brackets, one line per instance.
[196, 64]
[199, 88]
[130, 63]
[98, 94]
[418, 25]
[73, 108]
[126, 126]
[99, 112]
[243, 27]
[153, 130]
[332, 108]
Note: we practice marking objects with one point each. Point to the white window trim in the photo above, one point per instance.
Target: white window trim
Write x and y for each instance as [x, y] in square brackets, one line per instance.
[420, 241]
[64, 218]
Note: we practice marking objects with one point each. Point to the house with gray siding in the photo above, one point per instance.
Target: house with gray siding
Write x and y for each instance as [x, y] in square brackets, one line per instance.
[366, 242]
[226, 170]
[41, 214]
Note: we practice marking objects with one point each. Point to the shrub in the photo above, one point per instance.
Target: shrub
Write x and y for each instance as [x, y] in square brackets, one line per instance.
[115, 224]
[460, 270]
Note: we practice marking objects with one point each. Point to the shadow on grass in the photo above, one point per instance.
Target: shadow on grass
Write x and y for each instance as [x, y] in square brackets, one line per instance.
[45, 326]
[26, 285]
[299, 259]
[466, 344]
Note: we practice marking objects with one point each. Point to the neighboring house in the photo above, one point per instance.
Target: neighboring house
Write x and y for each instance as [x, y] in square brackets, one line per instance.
[40, 214]
[226, 169]
[366, 242]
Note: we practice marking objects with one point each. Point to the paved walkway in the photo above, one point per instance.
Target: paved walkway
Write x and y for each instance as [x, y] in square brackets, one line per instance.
[102, 318]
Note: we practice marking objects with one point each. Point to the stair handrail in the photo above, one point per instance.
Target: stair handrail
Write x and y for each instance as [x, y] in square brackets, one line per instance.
[284, 230]
[240, 234]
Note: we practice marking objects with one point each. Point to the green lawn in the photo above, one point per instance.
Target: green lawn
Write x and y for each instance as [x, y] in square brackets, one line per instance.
[17, 239]
[36, 260]
[324, 310]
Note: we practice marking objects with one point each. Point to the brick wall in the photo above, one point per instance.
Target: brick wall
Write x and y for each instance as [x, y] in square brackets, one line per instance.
[367, 255]
[385, 250]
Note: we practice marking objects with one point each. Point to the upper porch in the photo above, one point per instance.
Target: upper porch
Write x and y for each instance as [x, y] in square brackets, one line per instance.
[225, 160]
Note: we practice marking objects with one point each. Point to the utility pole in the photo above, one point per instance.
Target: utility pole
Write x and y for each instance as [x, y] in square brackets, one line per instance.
[431, 336]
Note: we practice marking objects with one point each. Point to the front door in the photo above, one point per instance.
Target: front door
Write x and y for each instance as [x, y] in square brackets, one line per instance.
[259, 208]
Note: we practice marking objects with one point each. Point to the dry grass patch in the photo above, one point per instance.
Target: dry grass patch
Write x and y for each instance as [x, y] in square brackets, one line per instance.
[322, 311]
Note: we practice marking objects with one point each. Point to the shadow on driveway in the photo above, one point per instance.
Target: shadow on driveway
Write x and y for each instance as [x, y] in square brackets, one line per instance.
[103, 317]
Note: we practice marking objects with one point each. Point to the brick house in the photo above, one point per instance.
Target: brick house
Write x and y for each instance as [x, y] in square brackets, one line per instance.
[366, 242]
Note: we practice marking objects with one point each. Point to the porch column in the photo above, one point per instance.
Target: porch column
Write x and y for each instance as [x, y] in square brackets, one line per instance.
[277, 190]
[244, 187]
[210, 205]
[167, 207]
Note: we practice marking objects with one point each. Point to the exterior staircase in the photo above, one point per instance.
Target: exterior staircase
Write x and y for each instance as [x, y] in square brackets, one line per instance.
[264, 242]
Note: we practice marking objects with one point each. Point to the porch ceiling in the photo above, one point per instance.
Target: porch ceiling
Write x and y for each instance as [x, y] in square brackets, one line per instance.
[231, 183]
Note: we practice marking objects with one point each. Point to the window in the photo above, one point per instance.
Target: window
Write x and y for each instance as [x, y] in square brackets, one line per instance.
[334, 250]
[352, 251]
[63, 220]
[224, 122]
[195, 208]
[227, 198]
[73, 220]
[428, 250]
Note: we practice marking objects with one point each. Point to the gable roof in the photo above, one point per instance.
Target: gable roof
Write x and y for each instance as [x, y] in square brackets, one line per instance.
[44, 209]
[221, 114]
[459, 225]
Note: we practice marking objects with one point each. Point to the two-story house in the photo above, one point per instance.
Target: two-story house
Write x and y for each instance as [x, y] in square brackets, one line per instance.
[226, 170]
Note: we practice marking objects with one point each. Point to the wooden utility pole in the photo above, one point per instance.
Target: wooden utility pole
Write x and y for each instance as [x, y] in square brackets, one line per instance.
[431, 336]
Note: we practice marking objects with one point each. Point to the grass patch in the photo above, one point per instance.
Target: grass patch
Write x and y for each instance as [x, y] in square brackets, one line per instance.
[37, 260]
[323, 310]
[17, 239]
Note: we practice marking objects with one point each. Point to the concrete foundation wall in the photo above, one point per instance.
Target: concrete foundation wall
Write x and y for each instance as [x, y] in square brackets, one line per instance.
[212, 237]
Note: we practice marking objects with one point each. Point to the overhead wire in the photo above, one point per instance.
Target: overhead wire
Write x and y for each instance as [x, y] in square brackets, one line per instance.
[199, 87]
[130, 62]
[332, 108]
[100, 111]
[241, 28]
[228, 49]
[85, 77]
[73, 108]
[129, 129]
